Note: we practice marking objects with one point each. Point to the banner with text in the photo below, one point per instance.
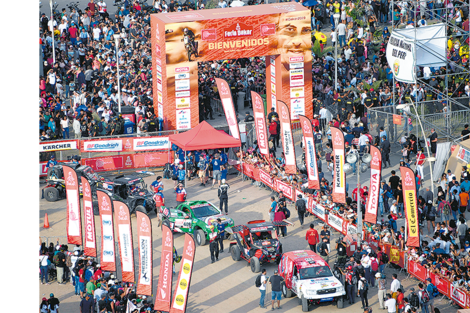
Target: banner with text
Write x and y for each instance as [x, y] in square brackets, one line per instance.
[401, 57]
[411, 210]
[310, 153]
[260, 123]
[124, 233]
[163, 298]
[287, 140]
[90, 232]
[374, 187]
[229, 109]
[339, 181]
[144, 237]
[74, 226]
[108, 260]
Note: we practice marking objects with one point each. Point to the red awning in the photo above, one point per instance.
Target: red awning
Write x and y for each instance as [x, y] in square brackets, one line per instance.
[204, 136]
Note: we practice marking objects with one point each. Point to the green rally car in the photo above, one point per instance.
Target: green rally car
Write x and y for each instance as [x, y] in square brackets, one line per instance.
[198, 218]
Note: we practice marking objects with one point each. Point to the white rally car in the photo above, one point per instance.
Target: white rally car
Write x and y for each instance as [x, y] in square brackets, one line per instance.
[309, 277]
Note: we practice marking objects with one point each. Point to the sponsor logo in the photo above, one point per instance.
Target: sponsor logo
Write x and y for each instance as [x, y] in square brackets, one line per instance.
[128, 145]
[268, 29]
[159, 62]
[238, 30]
[105, 206]
[182, 94]
[144, 227]
[182, 69]
[166, 271]
[182, 76]
[209, 34]
[182, 84]
[108, 253]
[261, 132]
[376, 159]
[408, 180]
[108, 238]
[157, 33]
[224, 90]
[189, 250]
[152, 143]
[98, 146]
[296, 59]
[128, 161]
[183, 284]
[107, 222]
[284, 115]
[70, 180]
[296, 65]
[258, 103]
[158, 51]
[396, 67]
[307, 127]
[338, 141]
[58, 146]
[179, 300]
[186, 268]
[159, 68]
[122, 214]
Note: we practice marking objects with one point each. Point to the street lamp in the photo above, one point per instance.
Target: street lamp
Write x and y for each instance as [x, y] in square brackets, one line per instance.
[53, 36]
[116, 41]
[361, 161]
[430, 158]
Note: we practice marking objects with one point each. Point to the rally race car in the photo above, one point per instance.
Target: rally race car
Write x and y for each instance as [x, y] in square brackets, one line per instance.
[196, 217]
[257, 243]
[309, 277]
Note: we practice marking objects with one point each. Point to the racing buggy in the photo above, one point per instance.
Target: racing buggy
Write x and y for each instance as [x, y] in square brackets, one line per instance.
[55, 188]
[309, 277]
[257, 243]
[197, 218]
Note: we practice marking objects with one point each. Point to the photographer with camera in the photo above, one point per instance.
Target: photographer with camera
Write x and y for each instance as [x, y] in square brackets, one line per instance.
[341, 249]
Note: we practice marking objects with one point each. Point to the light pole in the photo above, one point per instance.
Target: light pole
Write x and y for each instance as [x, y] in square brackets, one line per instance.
[116, 41]
[430, 158]
[355, 158]
[53, 36]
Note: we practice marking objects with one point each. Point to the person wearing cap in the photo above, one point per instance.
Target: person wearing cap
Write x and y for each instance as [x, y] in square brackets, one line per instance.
[382, 289]
[43, 307]
[53, 304]
[52, 161]
[248, 117]
[90, 286]
[87, 304]
[276, 292]
[180, 193]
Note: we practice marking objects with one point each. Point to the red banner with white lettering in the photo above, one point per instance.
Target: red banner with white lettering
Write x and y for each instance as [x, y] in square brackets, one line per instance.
[285, 188]
[229, 109]
[163, 298]
[108, 259]
[124, 234]
[310, 153]
[128, 161]
[260, 123]
[74, 226]
[411, 209]
[90, 232]
[180, 297]
[441, 283]
[266, 179]
[144, 236]
[339, 180]
[374, 187]
[287, 140]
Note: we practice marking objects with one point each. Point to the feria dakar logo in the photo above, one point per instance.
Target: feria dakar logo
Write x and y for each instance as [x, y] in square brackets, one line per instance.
[258, 103]
[168, 240]
[122, 214]
[128, 145]
[375, 159]
[224, 91]
[144, 227]
[70, 180]
[408, 180]
[268, 29]
[238, 30]
[307, 128]
[189, 250]
[105, 206]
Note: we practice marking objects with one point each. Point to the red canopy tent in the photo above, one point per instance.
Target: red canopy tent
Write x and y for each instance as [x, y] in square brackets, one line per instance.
[204, 136]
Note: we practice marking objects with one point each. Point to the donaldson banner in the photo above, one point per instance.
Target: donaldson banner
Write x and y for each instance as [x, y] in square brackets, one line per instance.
[108, 260]
[144, 235]
[227, 103]
[90, 233]
[411, 209]
[184, 277]
[287, 140]
[374, 188]
[401, 57]
[260, 123]
[74, 227]
[163, 299]
[339, 184]
[124, 231]
[310, 153]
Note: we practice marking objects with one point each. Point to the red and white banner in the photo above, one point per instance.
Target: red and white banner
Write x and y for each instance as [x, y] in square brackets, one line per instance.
[74, 227]
[58, 145]
[124, 233]
[111, 145]
[144, 235]
[339, 180]
[336, 222]
[287, 140]
[180, 299]
[90, 232]
[458, 295]
[374, 187]
[310, 153]
[229, 109]
[260, 123]
[112, 163]
[163, 298]
[285, 188]
[108, 260]
[411, 209]
[266, 179]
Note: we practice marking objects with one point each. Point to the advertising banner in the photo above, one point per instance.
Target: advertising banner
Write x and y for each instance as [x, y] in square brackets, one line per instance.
[260, 123]
[266, 179]
[163, 298]
[310, 153]
[458, 295]
[374, 188]
[336, 222]
[58, 145]
[111, 145]
[339, 181]
[124, 233]
[396, 119]
[108, 260]
[146, 144]
[318, 211]
[144, 237]
[287, 140]
[150, 159]
[180, 299]
[411, 210]
[442, 284]
[417, 270]
[90, 232]
[74, 226]
[183, 119]
[112, 163]
[229, 109]
[401, 57]
[285, 188]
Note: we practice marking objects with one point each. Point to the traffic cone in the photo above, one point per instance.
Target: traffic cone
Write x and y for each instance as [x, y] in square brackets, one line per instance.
[46, 221]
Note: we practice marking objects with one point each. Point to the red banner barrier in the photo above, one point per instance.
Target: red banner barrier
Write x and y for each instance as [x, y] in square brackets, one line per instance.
[249, 170]
[459, 296]
[266, 179]
[285, 188]
[120, 162]
[442, 284]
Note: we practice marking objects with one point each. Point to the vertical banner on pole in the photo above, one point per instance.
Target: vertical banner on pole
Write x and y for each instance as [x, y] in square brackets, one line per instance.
[374, 188]
[144, 232]
[90, 232]
[180, 297]
[287, 140]
[411, 209]
[74, 226]
[229, 109]
[163, 298]
[260, 123]
[124, 233]
[108, 260]
[310, 153]
[339, 184]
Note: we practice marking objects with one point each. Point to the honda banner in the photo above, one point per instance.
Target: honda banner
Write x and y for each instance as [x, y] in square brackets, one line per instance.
[114, 145]
[310, 153]
[90, 233]
[144, 234]
[163, 299]
[374, 188]
[411, 209]
[74, 227]
[260, 123]
[108, 260]
[339, 180]
[227, 103]
[287, 141]
[124, 233]
[184, 277]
